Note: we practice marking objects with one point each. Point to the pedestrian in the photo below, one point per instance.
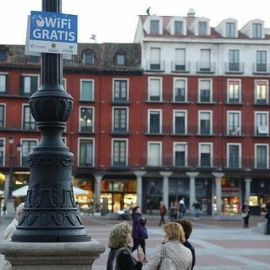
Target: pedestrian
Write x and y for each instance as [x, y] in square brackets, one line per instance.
[162, 212]
[120, 257]
[174, 249]
[267, 216]
[139, 231]
[245, 214]
[187, 227]
[182, 208]
[173, 211]
[196, 207]
[9, 231]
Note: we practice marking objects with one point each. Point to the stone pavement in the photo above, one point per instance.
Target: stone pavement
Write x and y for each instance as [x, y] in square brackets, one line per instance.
[219, 244]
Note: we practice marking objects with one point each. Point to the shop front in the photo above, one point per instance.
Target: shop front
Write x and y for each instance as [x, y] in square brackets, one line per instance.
[117, 194]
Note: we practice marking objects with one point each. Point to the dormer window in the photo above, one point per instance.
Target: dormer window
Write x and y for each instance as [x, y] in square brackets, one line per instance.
[154, 27]
[256, 30]
[178, 28]
[202, 28]
[3, 55]
[89, 57]
[230, 29]
[120, 58]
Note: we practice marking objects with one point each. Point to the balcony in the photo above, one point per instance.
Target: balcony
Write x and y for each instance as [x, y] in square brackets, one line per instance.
[234, 68]
[155, 66]
[261, 69]
[180, 67]
[205, 67]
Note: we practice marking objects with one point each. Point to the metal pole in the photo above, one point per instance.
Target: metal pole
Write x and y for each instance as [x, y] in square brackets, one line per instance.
[50, 211]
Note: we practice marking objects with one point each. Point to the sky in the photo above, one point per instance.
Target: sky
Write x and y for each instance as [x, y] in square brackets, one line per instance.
[116, 20]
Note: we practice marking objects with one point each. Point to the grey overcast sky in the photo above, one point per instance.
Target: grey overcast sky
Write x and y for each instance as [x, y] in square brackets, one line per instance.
[116, 21]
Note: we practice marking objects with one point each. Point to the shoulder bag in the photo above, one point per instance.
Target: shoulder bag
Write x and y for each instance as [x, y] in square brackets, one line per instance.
[166, 263]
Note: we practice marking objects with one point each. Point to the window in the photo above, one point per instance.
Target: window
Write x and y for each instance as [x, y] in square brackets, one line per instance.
[120, 90]
[86, 154]
[202, 28]
[180, 86]
[29, 122]
[178, 28]
[3, 54]
[2, 115]
[3, 83]
[27, 147]
[180, 122]
[154, 27]
[205, 123]
[120, 120]
[119, 153]
[233, 91]
[180, 60]
[257, 30]
[261, 92]
[29, 84]
[180, 154]
[233, 123]
[234, 155]
[154, 122]
[86, 119]
[155, 59]
[261, 123]
[120, 58]
[154, 154]
[205, 90]
[230, 30]
[154, 93]
[89, 57]
[2, 142]
[205, 64]
[65, 83]
[205, 155]
[87, 90]
[261, 64]
[261, 156]
[234, 64]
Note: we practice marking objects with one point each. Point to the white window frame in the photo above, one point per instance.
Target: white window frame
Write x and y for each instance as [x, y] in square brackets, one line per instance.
[256, 156]
[211, 152]
[149, 154]
[78, 149]
[185, 81]
[3, 88]
[4, 114]
[239, 157]
[185, 145]
[175, 112]
[257, 83]
[236, 130]
[21, 153]
[30, 75]
[150, 111]
[113, 117]
[200, 112]
[113, 86]
[93, 117]
[210, 89]
[239, 83]
[150, 90]
[93, 89]
[261, 129]
[126, 150]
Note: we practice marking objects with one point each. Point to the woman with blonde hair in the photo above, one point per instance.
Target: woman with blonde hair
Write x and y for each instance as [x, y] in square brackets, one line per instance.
[173, 249]
[120, 257]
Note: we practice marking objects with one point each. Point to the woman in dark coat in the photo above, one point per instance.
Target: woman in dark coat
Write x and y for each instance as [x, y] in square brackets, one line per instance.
[139, 231]
[245, 214]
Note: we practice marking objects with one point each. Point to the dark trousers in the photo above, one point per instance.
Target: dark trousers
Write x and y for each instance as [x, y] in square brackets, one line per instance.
[138, 242]
[162, 220]
[246, 220]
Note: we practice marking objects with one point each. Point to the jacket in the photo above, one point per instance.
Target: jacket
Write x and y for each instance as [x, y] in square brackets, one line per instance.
[176, 251]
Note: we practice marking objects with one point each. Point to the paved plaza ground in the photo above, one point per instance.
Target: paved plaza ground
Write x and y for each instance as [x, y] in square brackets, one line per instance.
[219, 244]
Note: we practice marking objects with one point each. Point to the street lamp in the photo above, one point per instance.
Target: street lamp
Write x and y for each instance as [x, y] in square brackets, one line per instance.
[8, 204]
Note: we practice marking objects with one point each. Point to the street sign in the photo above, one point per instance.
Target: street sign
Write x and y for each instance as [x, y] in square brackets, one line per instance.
[51, 32]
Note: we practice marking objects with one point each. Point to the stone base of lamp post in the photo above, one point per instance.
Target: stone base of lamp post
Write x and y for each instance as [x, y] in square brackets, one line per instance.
[10, 208]
[51, 256]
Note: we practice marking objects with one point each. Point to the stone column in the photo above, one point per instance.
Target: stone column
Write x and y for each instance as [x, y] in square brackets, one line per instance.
[51, 256]
[218, 177]
[247, 183]
[192, 196]
[97, 193]
[165, 198]
[139, 175]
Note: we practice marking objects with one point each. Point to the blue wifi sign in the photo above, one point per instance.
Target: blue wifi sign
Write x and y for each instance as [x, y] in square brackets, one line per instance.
[52, 32]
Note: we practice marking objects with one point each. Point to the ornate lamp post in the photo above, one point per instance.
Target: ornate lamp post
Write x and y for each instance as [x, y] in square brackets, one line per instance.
[50, 212]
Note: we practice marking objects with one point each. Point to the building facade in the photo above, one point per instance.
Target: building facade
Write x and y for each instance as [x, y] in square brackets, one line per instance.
[181, 112]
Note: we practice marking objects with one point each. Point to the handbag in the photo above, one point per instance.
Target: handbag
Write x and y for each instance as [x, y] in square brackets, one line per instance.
[166, 263]
[244, 215]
